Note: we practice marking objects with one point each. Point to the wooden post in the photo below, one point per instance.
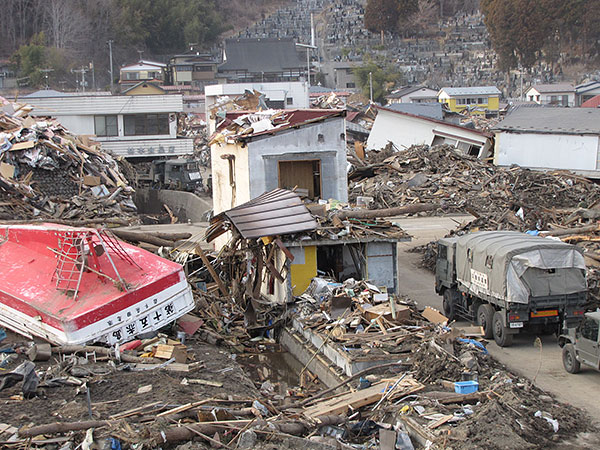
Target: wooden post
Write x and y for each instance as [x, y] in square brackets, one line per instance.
[212, 272]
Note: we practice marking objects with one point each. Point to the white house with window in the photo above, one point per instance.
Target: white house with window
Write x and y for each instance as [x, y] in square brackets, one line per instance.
[560, 94]
[130, 126]
[142, 71]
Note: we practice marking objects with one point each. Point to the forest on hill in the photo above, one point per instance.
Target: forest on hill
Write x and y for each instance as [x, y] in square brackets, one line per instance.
[60, 35]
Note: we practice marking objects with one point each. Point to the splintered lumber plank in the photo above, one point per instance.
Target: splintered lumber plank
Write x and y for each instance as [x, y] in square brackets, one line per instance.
[184, 407]
[134, 411]
[340, 404]
[212, 272]
[441, 421]
[284, 249]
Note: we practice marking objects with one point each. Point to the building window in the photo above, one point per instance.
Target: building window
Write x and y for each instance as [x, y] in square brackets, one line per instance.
[132, 75]
[185, 68]
[203, 68]
[146, 124]
[350, 85]
[155, 75]
[289, 101]
[106, 126]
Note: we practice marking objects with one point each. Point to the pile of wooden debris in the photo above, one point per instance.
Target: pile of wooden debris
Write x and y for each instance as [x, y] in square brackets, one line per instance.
[47, 173]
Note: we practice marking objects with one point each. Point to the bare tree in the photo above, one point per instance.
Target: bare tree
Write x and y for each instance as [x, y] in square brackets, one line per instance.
[65, 23]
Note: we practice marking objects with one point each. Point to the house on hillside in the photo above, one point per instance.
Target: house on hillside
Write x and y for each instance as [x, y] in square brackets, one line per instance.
[586, 91]
[562, 94]
[412, 94]
[193, 69]
[142, 71]
[550, 138]
[255, 152]
[404, 129]
[133, 126]
[261, 60]
[479, 100]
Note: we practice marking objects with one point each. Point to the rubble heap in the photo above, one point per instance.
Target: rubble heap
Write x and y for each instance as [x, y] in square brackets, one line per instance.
[47, 173]
[502, 198]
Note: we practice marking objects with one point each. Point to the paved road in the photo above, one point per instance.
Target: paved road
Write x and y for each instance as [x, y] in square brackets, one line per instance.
[581, 390]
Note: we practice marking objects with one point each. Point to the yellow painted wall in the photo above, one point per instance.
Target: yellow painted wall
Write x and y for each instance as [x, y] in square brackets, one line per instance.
[493, 104]
[146, 89]
[302, 274]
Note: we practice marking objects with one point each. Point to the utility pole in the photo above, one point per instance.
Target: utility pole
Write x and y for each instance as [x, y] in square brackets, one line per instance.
[82, 71]
[93, 75]
[141, 52]
[46, 72]
[308, 49]
[371, 86]
[111, 65]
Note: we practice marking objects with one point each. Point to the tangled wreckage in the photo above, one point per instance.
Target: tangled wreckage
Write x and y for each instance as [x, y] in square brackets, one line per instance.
[316, 280]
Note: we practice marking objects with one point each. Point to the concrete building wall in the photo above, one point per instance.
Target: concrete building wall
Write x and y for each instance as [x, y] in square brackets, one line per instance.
[555, 151]
[325, 141]
[226, 196]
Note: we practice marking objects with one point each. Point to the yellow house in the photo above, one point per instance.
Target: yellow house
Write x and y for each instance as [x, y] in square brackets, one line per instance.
[478, 100]
[145, 88]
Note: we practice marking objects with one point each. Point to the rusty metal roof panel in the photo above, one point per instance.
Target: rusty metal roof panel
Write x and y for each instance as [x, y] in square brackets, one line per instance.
[277, 212]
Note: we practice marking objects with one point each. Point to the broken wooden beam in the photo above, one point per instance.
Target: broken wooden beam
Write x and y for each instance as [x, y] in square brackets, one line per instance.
[386, 212]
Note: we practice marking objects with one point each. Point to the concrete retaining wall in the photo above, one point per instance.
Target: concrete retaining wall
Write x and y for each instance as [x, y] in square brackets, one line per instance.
[185, 205]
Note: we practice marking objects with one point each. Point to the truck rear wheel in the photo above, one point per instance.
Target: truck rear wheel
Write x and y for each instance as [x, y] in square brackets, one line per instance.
[501, 335]
[485, 317]
[448, 304]
[570, 359]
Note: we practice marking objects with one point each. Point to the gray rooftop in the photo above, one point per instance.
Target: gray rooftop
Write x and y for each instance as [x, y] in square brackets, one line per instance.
[476, 90]
[549, 88]
[550, 120]
[261, 55]
[431, 110]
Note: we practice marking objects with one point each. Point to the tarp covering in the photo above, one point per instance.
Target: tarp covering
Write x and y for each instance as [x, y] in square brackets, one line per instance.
[514, 266]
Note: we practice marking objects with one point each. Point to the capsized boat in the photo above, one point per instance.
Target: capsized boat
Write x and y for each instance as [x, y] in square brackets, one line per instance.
[79, 285]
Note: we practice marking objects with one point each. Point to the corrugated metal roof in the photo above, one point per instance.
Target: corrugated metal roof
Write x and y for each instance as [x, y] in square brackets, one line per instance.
[106, 104]
[552, 120]
[476, 90]
[273, 213]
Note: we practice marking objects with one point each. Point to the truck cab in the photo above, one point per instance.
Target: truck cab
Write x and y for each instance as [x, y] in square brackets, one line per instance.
[181, 174]
[580, 344]
[445, 276]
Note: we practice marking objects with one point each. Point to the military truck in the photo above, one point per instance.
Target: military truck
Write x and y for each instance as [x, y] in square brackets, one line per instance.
[508, 281]
[177, 174]
[580, 344]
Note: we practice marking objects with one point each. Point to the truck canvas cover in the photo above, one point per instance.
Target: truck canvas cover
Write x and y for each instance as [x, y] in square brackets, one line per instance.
[514, 266]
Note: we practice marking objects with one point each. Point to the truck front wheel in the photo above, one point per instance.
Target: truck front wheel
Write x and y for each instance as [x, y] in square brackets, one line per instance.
[570, 359]
[485, 316]
[501, 335]
[448, 304]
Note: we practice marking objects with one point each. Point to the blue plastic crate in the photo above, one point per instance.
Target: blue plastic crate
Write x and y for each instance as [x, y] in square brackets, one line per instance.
[466, 387]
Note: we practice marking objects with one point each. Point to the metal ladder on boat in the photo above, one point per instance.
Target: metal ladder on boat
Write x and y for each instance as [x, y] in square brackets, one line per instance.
[78, 251]
[70, 261]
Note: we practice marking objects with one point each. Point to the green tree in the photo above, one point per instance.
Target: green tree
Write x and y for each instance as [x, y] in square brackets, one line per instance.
[167, 26]
[389, 15]
[383, 78]
[30, 58]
